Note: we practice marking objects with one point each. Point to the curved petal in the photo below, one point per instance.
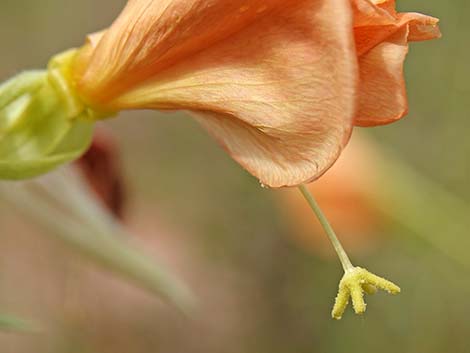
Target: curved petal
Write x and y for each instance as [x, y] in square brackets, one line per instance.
[382, 45]
[278, 95]
[382, 92]
[370, 13]
[421, 27]
[374, 22]
[150, 36]
[388, 5]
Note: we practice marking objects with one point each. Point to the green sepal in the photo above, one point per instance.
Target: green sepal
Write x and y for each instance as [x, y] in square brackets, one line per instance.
[75, 143]
[43, 123]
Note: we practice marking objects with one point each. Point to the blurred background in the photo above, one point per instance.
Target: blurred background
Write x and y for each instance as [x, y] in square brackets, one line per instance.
[258, 263]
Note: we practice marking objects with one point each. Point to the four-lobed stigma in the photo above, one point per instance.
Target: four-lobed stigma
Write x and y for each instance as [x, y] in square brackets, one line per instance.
[355, 282]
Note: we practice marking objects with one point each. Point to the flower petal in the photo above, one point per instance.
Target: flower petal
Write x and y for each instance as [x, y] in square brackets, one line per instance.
[388, 5]
[368, 13]
[278, 95]
[382, 92]
[150, 36]
[373, 23]
[382, 37]
[421, 27]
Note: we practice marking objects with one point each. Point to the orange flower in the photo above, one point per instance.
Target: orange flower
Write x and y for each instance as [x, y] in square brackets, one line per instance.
[274, 81]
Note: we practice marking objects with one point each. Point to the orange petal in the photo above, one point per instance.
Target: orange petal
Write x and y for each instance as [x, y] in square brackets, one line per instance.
[150, 36]
[278, 95]
[368, 13]
[421, 27]
[374, 22]
[382, 37]
[388, 5]
[382, 92]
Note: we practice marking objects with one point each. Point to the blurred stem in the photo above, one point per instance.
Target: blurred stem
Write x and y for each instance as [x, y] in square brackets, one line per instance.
[97, 238]
[343, 257]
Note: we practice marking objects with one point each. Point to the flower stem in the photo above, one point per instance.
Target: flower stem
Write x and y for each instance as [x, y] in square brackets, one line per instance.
[343, 257]
[67, 213]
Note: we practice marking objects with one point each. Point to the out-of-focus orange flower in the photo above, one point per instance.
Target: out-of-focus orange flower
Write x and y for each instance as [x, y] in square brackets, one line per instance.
[279, 83]
[344, 194]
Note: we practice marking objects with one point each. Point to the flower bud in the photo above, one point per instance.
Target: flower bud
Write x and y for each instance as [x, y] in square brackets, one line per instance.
[42, 122]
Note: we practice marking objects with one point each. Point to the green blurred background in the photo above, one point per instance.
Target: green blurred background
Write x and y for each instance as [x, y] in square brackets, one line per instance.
[231, 240]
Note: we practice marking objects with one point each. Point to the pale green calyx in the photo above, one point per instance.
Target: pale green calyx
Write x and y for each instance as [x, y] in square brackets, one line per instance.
[42, 122]
[354, 284]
